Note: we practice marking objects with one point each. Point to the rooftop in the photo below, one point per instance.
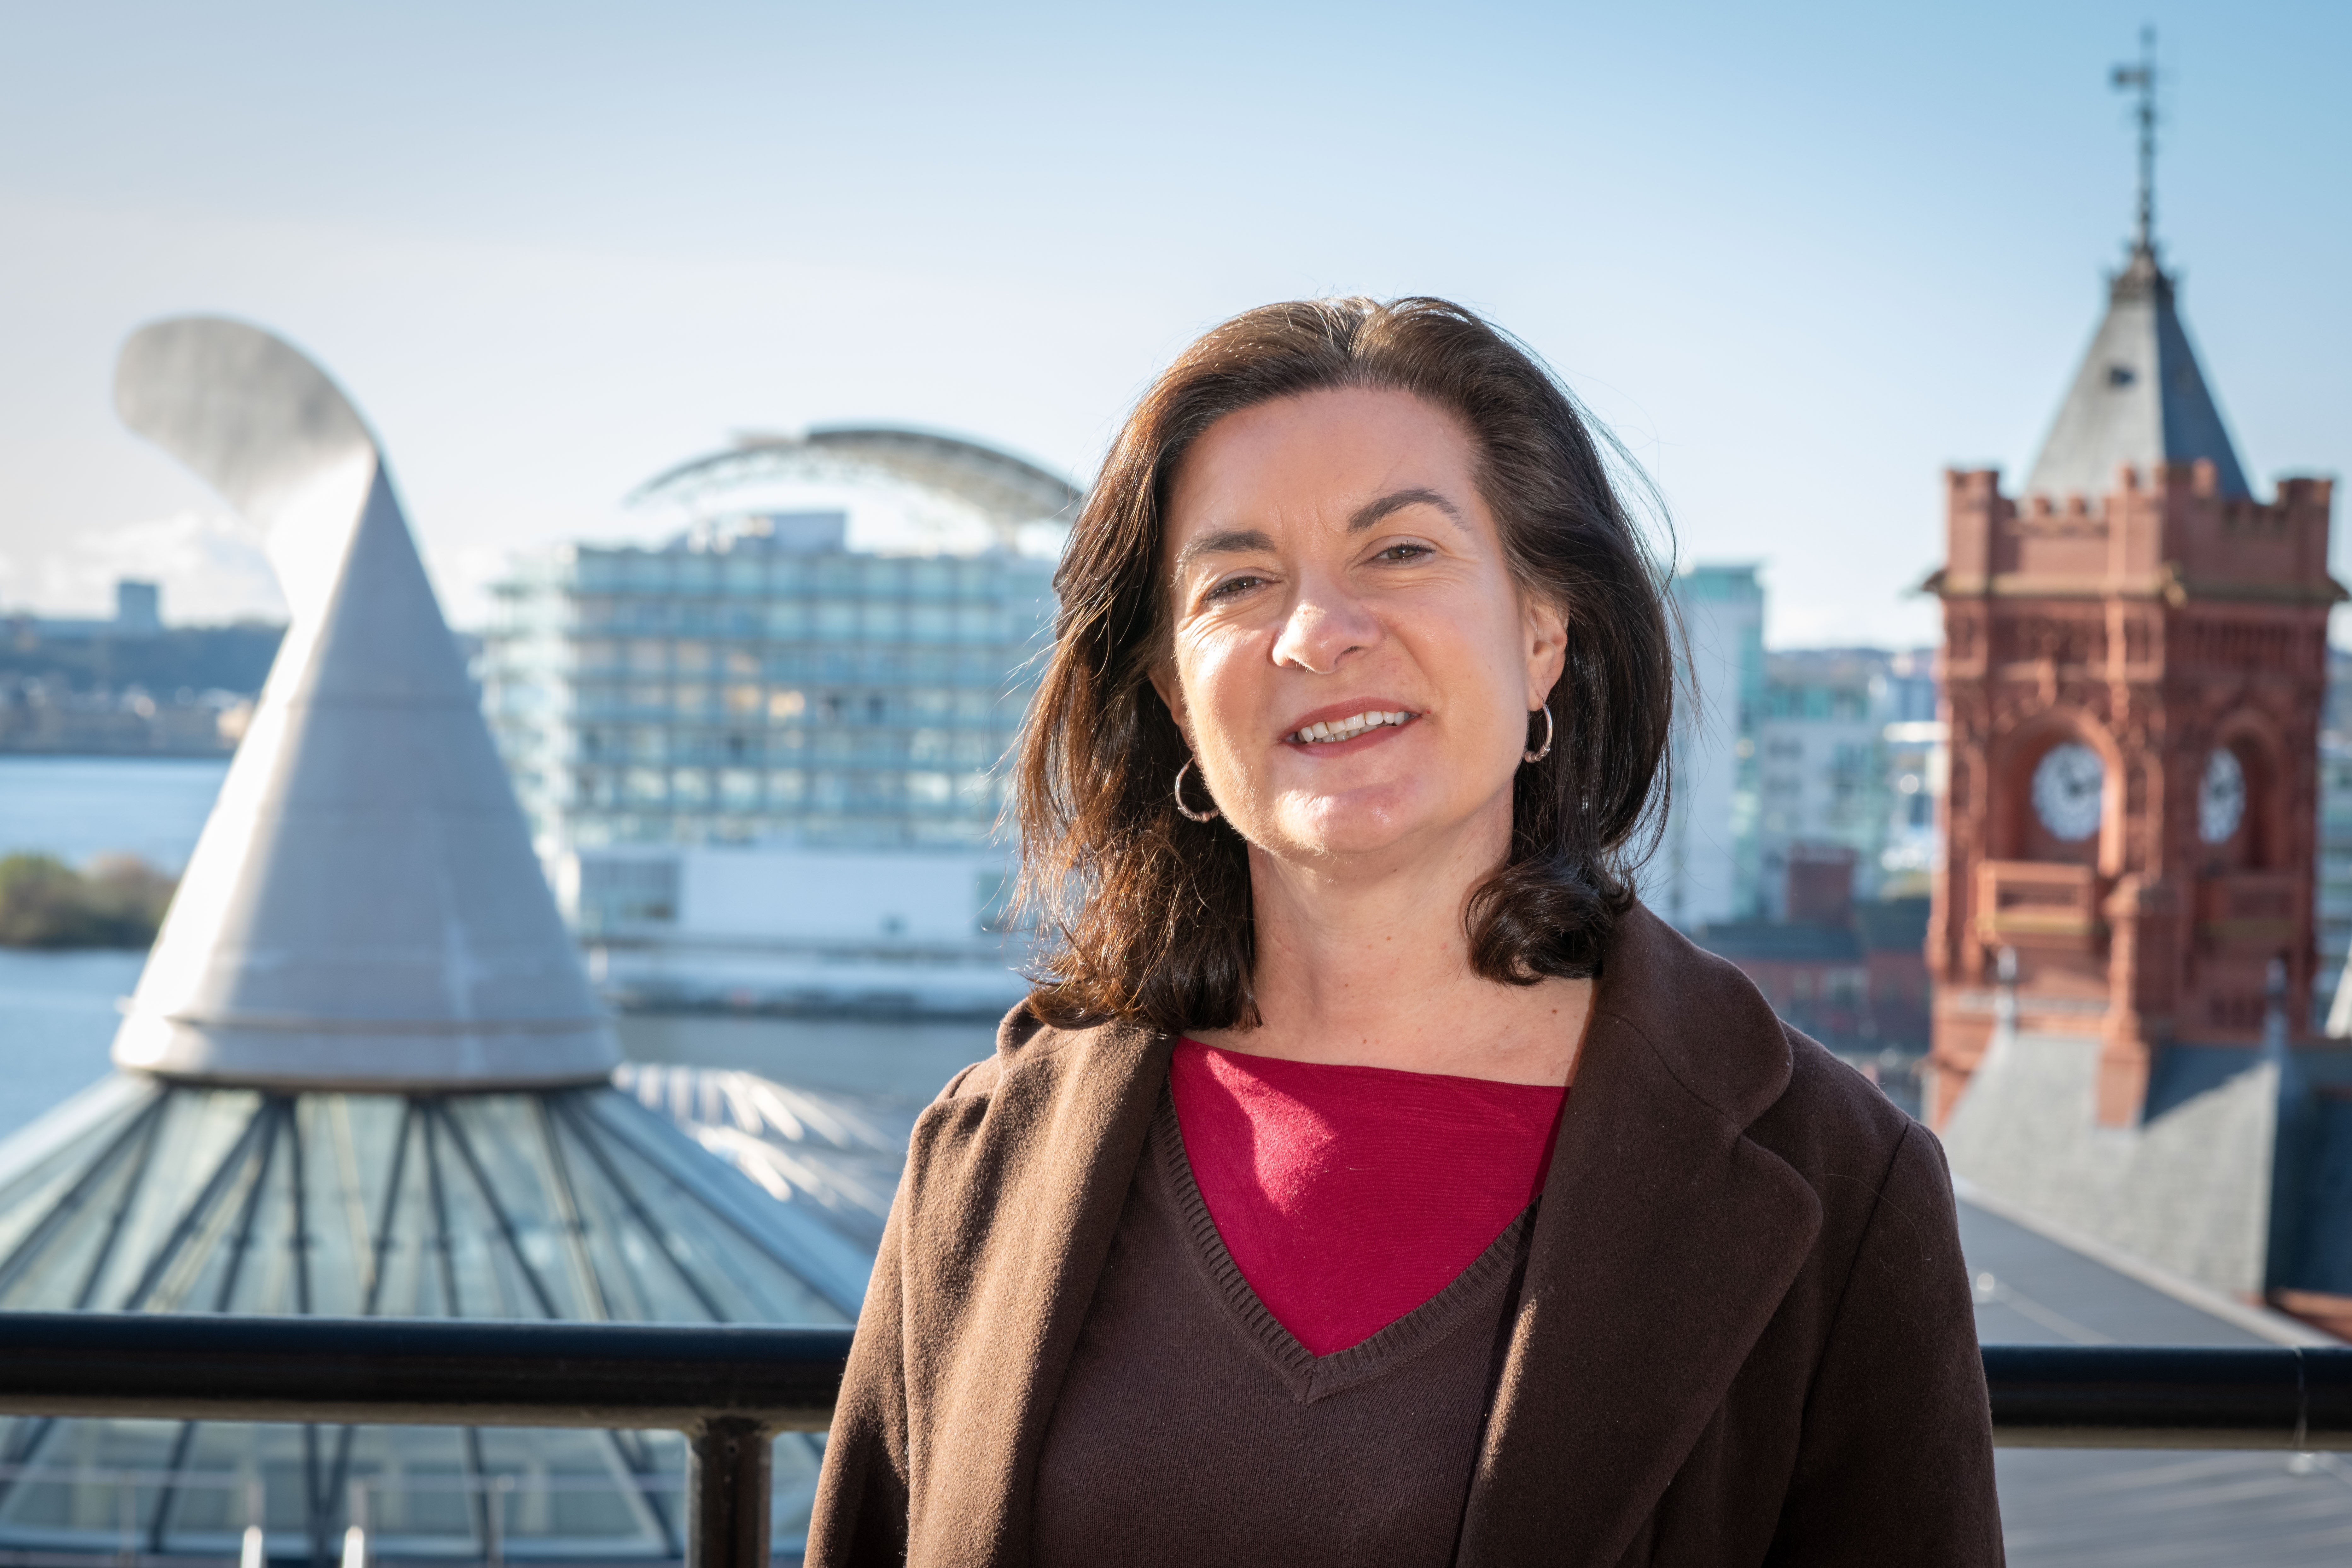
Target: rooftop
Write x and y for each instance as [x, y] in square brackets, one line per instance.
[2038, 1284]
[2139, 398]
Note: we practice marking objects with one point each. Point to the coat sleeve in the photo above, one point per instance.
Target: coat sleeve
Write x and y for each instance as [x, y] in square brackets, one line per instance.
[1896, 1463]
[859, 1519]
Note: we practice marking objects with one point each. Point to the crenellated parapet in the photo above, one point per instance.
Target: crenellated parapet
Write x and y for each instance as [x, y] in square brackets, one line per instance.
[2132, 683]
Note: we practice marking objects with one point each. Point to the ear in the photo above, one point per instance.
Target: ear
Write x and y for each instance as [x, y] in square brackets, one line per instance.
[1544, 639]
[1171, 693]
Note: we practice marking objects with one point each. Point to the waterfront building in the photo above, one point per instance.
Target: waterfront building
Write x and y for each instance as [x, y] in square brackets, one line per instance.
[1705, 869]
[138, 613]
[1780, 758]
[2135, 669]
[363, 1074]
[762, 760]
[1844, 767]
[129, 686]
[1916, 762]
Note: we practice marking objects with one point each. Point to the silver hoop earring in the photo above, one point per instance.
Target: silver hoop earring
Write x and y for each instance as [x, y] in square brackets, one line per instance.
[1540, 752]
[1208, 815]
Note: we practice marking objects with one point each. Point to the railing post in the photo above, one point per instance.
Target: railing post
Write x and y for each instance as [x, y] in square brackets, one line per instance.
[727, 1489]
[494, 1515]
[126, 1509]
[253, 1550]
[355, 1541]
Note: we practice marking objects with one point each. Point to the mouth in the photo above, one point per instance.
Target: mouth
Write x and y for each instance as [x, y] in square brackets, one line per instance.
[1334, 731]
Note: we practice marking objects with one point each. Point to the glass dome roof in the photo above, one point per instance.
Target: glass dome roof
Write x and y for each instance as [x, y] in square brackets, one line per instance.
[836, 1156]
[578, 1203]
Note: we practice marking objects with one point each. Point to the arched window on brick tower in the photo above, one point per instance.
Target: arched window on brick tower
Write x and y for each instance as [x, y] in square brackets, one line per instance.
[2052, 835]
[2248, 889]
[2236, 803]
[2054, 807]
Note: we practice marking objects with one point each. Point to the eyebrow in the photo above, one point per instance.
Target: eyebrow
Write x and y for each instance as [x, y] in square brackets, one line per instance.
[1224, 541]
[1372, 511]
[1232, 541]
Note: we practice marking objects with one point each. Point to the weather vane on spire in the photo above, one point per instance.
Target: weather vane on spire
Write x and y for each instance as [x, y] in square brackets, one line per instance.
[2141, 77]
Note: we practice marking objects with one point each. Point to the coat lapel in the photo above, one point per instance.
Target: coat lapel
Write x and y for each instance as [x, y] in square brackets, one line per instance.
[1664, 1244]
[1026, 1184]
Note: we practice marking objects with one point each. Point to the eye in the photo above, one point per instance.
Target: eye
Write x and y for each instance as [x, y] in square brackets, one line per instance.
[1231, 586]
[1402, 552]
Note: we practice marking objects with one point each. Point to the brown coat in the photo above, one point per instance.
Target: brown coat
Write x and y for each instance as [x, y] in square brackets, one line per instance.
[1745, 1334]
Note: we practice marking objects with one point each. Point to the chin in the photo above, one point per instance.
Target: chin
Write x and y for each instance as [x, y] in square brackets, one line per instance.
[1359, 822]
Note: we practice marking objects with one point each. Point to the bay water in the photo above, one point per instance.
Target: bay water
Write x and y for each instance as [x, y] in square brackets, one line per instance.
[58, 1010]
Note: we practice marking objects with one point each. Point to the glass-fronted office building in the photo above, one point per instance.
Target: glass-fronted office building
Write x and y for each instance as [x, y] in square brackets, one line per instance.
[765, 756]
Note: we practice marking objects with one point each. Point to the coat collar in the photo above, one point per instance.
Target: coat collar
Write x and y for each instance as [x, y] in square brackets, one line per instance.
[1664, 1241]
[1051, 1130]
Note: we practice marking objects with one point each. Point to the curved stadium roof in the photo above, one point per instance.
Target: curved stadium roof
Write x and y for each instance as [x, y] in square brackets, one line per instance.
[1005, 489]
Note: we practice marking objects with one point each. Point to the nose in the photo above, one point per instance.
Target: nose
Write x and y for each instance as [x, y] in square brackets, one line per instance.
[1326, 623]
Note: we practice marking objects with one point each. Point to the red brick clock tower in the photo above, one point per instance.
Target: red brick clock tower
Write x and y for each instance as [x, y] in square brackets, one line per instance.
[2135, 660]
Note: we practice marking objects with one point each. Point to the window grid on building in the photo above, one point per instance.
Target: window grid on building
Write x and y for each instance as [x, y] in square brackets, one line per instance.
[760, 682]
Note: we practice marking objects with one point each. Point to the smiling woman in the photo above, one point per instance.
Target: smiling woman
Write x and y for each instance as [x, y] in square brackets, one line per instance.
[1192, 557]
[1369, 1178]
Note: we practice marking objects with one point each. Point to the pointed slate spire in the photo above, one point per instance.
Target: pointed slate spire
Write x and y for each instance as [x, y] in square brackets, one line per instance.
[363, 908]
[2139, 397]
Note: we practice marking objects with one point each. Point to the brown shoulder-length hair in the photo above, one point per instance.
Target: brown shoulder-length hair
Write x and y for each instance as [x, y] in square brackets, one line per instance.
[1147, 915]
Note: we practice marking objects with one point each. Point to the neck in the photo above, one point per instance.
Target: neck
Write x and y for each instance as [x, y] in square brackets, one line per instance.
[1369, 966]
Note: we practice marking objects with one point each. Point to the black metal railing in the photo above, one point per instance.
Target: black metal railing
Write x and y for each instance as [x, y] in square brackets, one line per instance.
[2145, 1396]
[728, 1389]
[731, 1389]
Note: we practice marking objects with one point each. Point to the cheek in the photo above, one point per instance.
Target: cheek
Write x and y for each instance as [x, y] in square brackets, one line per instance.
[1473, 652]
[1213, 673]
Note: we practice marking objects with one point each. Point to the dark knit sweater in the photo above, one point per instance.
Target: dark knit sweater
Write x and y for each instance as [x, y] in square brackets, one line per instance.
[1192, 1428]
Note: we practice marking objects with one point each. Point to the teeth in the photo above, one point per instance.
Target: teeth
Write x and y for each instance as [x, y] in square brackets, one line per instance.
[1349, 728]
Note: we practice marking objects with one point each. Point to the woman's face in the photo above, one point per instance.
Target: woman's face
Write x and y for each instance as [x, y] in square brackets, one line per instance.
[1352, 663]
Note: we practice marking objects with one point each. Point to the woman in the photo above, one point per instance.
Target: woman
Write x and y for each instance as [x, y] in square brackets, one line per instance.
[1372, 1179]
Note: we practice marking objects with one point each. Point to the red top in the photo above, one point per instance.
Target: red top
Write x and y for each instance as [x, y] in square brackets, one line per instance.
[1349, 1195]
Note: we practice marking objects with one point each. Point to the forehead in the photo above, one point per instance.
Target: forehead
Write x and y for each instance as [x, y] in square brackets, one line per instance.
[1295, 458]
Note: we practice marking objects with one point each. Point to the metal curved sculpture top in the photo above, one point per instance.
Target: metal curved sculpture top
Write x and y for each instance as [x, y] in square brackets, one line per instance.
[1005, 489]
[261, 425]
[248, 413]
[363, 908]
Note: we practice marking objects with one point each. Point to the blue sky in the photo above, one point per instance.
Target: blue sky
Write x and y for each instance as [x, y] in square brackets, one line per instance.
[1799, 257]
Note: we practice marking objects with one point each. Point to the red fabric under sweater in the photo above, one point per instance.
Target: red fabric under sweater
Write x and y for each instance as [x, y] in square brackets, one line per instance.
[1349, 1195]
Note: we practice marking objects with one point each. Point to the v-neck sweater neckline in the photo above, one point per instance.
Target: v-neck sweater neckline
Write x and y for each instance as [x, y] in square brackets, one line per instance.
[1309, 1377]
[1350, 1197]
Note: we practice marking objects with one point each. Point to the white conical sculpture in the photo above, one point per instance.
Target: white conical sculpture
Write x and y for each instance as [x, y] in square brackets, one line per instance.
[363, 908]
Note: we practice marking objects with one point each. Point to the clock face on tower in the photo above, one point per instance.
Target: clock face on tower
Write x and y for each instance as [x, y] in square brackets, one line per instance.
[2221, 797]
[2068, 787]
